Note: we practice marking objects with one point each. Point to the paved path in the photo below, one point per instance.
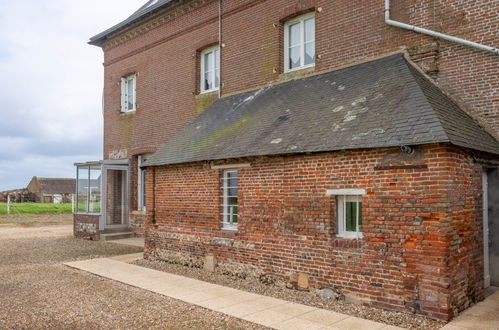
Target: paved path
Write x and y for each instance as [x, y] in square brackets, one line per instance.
[482, 316]
[267, 311]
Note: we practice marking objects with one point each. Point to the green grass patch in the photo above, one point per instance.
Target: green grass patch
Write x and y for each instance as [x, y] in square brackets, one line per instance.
[35, 208]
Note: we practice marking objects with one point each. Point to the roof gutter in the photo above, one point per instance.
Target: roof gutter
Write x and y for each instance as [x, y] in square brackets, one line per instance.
[435, 33]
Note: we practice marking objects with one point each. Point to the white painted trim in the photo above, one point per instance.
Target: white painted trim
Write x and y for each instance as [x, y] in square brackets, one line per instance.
[229, 166]
[208, 50]
[486, 262]
[125, 81]
[300, 19]
[345, 192]
[342, 232]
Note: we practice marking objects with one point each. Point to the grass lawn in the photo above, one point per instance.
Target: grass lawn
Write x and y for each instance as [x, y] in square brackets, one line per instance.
[35, 208]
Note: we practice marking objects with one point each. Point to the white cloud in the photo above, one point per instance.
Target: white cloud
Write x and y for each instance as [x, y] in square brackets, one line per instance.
[51, 85]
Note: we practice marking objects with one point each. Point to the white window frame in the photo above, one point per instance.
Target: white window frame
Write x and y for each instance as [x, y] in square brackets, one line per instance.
[141, 203]
[216, 66]
[341, 206]
[125, 81]
[301, 20]
[226, 212]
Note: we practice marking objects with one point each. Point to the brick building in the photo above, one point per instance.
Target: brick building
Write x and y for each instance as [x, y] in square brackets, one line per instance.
[307, 138]
[52, 190]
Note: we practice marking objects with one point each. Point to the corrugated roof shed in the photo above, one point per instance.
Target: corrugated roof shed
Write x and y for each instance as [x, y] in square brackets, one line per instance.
[382, 103]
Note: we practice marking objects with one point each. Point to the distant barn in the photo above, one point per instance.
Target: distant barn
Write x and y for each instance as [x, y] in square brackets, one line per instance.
[52, 190]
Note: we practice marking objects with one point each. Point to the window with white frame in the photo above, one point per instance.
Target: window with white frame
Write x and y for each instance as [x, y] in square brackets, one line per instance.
[128, 93]
[141, 184]
[349, 211]
[210, 69]
[229, 199]
[299, 42]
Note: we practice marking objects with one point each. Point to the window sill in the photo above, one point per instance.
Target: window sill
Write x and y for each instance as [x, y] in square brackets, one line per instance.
[296, 73]
[128, 112]
[310, 66]
[347, 243]
[209, 91]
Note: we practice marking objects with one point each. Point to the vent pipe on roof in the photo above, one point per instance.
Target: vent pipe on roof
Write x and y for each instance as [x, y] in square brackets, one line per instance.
[435, 33]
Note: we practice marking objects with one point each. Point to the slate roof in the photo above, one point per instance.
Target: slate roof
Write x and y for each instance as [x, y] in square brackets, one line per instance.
[382, 103]
[151, 7]
[57, 186]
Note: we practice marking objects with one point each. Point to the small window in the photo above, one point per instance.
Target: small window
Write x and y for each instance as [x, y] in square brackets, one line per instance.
[349, 216]
[128, 93]
[141, 184]
[88, 189]
[210, 69]
[299, 42]
[230, 199]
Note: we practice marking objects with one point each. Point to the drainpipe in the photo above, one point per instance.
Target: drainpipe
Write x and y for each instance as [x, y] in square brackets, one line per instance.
[434, 33]
[220, 47]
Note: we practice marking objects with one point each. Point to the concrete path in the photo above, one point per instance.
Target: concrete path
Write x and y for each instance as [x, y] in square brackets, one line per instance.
[482, 316]
[136, 241]
[267, 311]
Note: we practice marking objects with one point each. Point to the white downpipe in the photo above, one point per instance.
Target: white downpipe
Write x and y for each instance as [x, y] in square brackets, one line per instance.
[220, 47]
[434, 33]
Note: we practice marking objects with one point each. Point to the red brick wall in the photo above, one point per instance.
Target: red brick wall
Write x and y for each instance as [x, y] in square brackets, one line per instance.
[422, 244]
[165, 57]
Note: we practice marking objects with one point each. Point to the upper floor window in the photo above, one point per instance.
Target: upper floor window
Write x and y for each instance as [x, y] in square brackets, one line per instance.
[210, 69]
[128, 93]
[299, 42]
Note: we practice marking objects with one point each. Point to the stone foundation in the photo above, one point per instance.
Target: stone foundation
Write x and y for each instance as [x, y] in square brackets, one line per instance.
[86, 226]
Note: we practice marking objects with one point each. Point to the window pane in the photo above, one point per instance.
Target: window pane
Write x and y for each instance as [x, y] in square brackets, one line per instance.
[350, 216]
[208, 62]
[95, 193]
[232, 191]
[233, 212]
[294, 35]
[217, 58]
[309, 53]
[294, 57]
[232, 201]
[82, 190]
[208, 81]
[130, 92]
[310, 30]
[217, 78]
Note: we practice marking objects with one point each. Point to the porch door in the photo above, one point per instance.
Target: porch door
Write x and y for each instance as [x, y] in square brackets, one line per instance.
[116, 201]
[493, 224]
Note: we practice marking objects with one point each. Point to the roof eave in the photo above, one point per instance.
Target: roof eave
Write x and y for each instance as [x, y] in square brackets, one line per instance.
[99, 39]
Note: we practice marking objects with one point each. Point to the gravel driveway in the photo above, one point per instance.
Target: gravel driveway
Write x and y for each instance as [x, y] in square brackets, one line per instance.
[37, 292]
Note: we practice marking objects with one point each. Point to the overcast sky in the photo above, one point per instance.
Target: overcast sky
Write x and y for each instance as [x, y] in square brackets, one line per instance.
[51, 85]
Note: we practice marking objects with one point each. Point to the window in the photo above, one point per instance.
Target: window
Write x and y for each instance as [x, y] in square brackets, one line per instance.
[141, 184]
[349, 216]
[210, 69]
[229, 193]
[299, 42]
[128, 93]
[88, 189]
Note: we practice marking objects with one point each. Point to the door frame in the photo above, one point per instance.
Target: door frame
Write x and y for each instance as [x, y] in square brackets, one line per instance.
[117, 166]
[486, 260]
